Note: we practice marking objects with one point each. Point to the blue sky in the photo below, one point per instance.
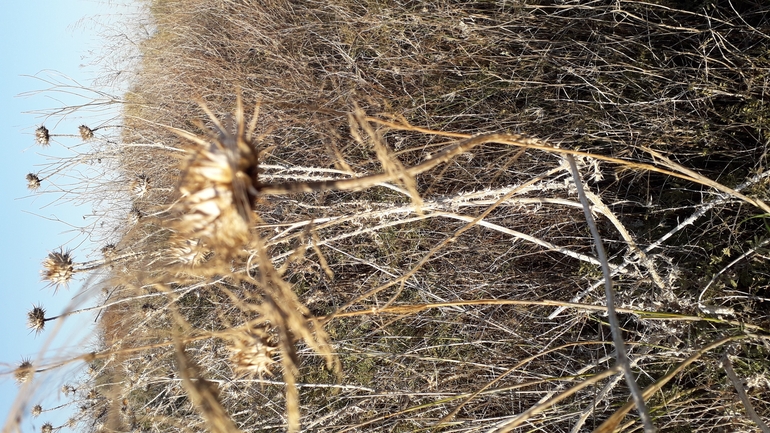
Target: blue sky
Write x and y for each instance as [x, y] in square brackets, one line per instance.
[39, 37]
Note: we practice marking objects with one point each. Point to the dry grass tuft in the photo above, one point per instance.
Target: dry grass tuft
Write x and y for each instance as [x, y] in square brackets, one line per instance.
[394, 240]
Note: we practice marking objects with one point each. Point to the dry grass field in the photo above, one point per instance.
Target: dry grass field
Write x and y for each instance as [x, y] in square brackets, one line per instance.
[360, 215]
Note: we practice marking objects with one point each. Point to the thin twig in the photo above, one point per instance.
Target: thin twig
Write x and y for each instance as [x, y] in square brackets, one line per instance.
[742, 394]
[617, 335]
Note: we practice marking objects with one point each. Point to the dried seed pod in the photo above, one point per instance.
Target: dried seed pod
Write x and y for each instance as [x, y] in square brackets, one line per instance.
[219, 190]
[23, 371]
[36, 319]
[33, 181]
[42, 136]
[251, 354]
[37, 410]
[140, 185]
[86, 133]
[58, 268]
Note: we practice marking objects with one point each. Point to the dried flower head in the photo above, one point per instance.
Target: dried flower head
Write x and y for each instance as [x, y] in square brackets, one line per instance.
[251, 354]
[72, 422]
[219, 189]
[37, 410]
[36, 319]
[108, 251]
[47, 428]
[42, 136]
[58, 268]
[189, 252]
[135, 215]
[23, 371]
[140, 185]
[67, 389]
[33, 181]
[86, 133]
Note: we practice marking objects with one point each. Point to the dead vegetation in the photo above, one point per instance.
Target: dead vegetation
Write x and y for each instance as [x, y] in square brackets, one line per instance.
[359, 216]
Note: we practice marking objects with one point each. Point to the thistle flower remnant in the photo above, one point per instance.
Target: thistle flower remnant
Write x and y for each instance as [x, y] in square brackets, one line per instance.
[36, 319]
[251, 355]
[219, 190]
[33, 181]
[23, 372]
[86, 133]
[140, 185]
[42, 136]
[37, 410]
[135, 215]
[189, 252]
[58, 268]
[108, 251]
[47, 428]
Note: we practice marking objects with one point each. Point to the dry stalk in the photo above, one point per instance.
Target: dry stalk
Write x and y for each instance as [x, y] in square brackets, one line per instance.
[617, 335]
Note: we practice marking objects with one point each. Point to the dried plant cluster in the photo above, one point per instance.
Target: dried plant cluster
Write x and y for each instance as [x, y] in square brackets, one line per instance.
[58, 268]
[393, 238]
[33, 181]
[42, 136]
[218, 190]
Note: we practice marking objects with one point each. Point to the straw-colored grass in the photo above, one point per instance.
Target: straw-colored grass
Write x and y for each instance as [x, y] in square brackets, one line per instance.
[388, 216]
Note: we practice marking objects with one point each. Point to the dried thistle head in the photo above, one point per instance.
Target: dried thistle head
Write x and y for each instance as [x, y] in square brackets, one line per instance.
[36, 319]
[140, 185]
[219, 189]
[67, 389]
[23, 371]
[47, 428]
[86, 133]
[42, 136]
[33, 181]
[135, 215]
[251, 353]
[189, 252]
[108, 251]
[58, 268]
[37, 410]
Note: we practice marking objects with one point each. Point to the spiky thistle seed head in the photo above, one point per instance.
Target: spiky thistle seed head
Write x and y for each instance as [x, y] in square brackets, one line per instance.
[23, 371]
[219, 190]
[86, 133]
[42, 136]
[58, 268]
[72, 422]
[47, 428]
[140, 185]
[108, 251]
[36, 319]
[135, 215]
[33, 181]
[252, 354]
[37, 410]
[189, 252]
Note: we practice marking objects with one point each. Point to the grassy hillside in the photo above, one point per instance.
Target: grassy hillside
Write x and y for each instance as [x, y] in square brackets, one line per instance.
[360, 216]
